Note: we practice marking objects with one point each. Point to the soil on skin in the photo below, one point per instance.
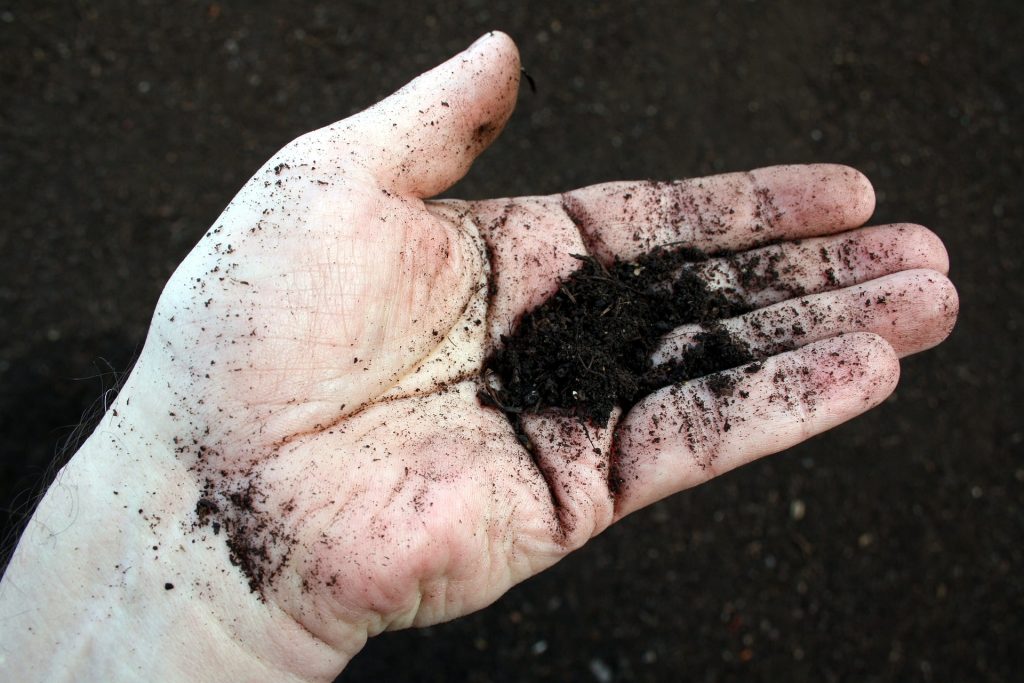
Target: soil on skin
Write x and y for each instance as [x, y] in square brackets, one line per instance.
[903, 563]
[587, 349]
[259, 543]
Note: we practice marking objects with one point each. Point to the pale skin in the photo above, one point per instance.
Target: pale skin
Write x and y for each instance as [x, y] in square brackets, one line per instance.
[308, 390]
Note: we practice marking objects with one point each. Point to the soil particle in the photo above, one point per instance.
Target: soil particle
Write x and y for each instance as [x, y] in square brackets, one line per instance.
[259, 543]
[765, 270]
[587, 349]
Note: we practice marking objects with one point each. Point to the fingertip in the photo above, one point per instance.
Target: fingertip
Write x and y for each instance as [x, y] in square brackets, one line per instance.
[424, 138]
[501, 43]
[886, 363]
[496, 75]
[926, 244]
[817, 199]
[860, 366]
[942, 306]
[861, 190]
[848, 190]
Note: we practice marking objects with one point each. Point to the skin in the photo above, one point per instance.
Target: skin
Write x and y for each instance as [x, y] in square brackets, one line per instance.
[311, 376]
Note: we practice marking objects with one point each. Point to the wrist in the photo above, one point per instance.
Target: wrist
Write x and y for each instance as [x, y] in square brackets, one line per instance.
[112, 579]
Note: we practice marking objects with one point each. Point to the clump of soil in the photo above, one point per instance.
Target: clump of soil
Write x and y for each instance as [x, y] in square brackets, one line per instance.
[588, 347]
[258, 543]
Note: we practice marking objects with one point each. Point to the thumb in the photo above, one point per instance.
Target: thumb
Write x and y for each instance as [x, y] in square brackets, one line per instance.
[424, 138]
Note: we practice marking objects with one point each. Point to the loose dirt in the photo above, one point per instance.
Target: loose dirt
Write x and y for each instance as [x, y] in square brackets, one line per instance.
[588, 347]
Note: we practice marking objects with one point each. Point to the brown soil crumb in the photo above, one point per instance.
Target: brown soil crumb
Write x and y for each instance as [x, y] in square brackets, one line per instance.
[258, 543]
[588, 347]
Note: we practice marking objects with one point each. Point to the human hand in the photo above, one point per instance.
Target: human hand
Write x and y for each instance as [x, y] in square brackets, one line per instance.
[306, 406]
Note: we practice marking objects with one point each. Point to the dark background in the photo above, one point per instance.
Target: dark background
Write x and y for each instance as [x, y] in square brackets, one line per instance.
[889, 549]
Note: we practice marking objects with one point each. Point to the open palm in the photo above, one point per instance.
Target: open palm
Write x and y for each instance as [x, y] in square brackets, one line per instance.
[317, 358]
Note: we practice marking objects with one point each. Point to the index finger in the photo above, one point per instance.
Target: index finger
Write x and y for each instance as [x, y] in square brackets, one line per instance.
[723, 212]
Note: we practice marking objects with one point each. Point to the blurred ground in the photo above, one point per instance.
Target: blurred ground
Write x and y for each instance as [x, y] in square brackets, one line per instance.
[889, 549]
